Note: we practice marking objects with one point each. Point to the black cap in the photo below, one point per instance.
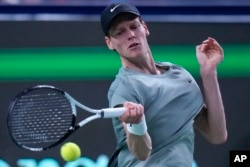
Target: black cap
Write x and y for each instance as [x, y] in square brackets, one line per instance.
[110, 12]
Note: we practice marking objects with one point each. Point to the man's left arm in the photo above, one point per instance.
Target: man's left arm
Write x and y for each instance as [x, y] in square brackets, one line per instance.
[211, 121]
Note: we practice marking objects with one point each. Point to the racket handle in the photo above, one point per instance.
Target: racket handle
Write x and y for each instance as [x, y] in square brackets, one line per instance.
[113, 112]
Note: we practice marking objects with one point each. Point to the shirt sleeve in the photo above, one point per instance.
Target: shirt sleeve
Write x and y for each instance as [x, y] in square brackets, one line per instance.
[120, 92]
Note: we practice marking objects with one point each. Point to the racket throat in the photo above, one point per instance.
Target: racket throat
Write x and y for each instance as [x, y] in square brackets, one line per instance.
[89, 119]
[73, 128]
[102, 113]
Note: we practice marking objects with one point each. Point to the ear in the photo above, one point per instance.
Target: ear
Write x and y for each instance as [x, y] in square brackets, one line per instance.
[146, 28]
[109, 43]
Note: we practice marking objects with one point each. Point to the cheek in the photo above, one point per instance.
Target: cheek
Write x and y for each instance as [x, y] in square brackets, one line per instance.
[120, 48]
[120, 44]
[116, 45]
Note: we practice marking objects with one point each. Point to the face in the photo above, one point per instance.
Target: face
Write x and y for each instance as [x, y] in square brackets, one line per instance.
[128, 37]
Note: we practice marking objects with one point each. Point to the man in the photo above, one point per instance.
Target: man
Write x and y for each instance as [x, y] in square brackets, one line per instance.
[162, 99]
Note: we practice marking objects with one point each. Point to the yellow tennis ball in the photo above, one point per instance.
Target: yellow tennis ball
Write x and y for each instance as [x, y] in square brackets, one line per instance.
[70, 151]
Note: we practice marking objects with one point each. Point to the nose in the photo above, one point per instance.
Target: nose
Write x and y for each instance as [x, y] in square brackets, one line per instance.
[131, 34]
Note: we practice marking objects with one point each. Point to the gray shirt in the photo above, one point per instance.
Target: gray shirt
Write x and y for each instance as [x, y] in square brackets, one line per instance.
[171, 101]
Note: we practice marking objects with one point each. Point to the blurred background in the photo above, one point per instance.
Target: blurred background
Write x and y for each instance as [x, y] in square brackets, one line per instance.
[60, 43]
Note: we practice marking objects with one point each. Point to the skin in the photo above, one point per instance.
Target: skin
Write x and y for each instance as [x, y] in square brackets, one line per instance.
[129, 39]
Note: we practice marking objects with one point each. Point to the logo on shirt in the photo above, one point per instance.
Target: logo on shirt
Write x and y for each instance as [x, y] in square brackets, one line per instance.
[189, 80]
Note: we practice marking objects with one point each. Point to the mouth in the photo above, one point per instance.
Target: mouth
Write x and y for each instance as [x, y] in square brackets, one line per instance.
[133, 45]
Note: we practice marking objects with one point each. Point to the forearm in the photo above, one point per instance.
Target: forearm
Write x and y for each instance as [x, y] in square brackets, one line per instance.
[138, 139]
[140, 146]
[134, 123]
[215, 128]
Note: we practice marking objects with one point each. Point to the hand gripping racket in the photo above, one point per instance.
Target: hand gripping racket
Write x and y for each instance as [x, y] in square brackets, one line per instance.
[43, 116]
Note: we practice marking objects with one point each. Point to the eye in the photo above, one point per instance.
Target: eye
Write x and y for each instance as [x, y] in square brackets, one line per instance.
[135, 26]
[118, 33]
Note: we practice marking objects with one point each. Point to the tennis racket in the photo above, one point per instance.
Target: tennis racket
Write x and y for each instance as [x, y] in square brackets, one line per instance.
[43, 116]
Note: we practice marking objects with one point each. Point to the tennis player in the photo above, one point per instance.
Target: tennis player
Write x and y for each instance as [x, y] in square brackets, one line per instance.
[163, 101]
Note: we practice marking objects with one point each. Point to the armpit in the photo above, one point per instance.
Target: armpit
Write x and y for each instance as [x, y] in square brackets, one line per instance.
[201, 115]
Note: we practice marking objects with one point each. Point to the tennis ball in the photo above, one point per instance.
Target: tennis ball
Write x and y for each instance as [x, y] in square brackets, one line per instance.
[70, 151]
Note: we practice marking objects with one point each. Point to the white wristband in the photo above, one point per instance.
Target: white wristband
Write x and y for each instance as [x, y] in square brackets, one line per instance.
[138, 129]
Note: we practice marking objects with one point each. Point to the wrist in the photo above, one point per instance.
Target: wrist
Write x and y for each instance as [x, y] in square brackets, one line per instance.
[208, 71]
[138, 129]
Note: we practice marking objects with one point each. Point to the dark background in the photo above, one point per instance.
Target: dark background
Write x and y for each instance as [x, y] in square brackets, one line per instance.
[16, 34]
[97, 137]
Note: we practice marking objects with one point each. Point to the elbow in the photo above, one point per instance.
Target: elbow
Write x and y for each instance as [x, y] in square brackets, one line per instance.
[219, 139]
[222, 140]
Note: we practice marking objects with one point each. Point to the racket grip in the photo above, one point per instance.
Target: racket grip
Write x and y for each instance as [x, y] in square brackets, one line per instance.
[113, 112]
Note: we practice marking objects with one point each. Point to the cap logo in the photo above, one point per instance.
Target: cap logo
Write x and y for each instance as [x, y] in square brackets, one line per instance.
[113, 9]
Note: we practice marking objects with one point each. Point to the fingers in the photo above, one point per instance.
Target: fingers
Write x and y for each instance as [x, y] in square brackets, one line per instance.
[133, 114]
[211, 42]
[199, 51]
[208, 44]
[209, 52]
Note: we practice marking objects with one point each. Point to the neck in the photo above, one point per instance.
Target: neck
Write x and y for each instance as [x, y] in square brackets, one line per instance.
[144, 64]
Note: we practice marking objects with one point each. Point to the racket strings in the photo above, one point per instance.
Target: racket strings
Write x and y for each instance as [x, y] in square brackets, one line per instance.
[40, 118]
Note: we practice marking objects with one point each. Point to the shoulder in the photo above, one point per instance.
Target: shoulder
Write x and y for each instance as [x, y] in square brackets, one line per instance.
[121, 84]
[121, 80]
